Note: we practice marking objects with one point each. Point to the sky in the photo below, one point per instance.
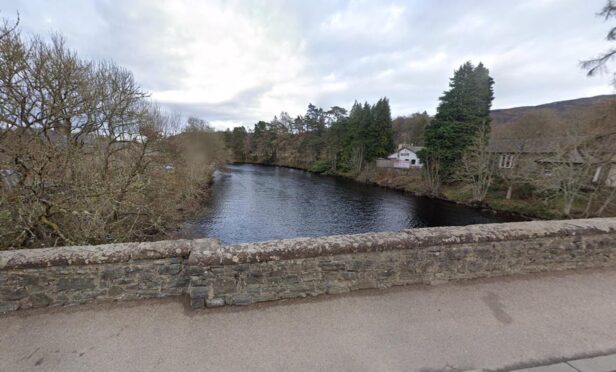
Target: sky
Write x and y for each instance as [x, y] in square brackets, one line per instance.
[236, 62]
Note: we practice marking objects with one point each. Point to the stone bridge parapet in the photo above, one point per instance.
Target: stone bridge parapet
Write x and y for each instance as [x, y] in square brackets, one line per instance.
[213, 274]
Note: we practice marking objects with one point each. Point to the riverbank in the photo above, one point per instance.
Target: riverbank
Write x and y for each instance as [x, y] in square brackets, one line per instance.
[526, 203]
[410, 181]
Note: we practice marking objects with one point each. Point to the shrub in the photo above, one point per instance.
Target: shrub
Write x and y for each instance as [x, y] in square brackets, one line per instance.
[526, 191]
[320, 166]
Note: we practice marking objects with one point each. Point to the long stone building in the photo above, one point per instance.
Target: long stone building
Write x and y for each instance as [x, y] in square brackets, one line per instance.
[538, 159]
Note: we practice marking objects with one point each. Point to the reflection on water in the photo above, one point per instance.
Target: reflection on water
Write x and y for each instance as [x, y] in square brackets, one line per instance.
[253, 203]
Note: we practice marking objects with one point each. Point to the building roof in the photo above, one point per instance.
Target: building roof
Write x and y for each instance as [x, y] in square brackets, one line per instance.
[534, 145]
[574, 156]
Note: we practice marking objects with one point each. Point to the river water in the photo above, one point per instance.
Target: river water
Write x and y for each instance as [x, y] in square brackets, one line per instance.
[252, 203]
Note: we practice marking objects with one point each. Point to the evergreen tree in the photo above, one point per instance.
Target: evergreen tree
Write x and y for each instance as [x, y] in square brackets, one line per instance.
[315, 119]
[367, 140]
[236, 140]
[335, 136]
[264, 138]
[462, 112]
[383, 132]
[314, 142]
[351, 139]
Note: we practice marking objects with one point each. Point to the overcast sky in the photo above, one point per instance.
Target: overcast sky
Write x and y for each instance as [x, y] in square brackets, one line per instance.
[237, 62]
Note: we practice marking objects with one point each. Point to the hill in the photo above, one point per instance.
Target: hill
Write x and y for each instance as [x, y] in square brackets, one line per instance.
[576, 117]
[562, 109]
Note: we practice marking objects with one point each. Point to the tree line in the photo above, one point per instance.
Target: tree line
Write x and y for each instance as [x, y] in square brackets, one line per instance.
[334, 140]
[338, 141]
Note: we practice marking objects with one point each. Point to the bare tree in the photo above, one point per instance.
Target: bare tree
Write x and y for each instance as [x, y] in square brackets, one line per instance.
[595, 65]
[7, 27]
[608, 198]
[601, 192]
[569, 172]
[431, 175]
[90, 160]
[477, 166]
[516, 175]
[598, 64]
[600, 146]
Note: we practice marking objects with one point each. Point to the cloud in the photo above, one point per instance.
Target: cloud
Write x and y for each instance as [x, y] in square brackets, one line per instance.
[237, 62]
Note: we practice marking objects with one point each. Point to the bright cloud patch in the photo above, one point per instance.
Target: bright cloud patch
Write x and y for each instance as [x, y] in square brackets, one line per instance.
[237, 62]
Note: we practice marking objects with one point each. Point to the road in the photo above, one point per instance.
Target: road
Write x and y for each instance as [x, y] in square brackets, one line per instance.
[494, 323]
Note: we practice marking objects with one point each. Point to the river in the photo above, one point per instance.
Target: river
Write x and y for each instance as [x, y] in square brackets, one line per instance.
[252, 203]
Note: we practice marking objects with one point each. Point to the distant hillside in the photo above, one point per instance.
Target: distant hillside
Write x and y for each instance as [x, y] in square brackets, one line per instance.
[562, 109]
[575, 117]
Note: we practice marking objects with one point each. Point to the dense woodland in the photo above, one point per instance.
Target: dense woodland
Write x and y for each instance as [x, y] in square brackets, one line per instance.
[335, 140]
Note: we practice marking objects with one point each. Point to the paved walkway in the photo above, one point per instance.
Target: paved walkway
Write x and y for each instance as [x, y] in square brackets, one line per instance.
[505, 323]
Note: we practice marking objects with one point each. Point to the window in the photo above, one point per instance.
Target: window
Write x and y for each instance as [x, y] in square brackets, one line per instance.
[413, 161]
[506, 161]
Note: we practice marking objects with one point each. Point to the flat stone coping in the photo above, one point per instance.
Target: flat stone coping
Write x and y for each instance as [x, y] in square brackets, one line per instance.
[216, 254]
[93, 254]
[204, 252]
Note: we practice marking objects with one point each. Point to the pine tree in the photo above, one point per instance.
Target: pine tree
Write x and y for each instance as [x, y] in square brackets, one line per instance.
[366, 138]
[462, 112]
[351, 154]
[382, 130]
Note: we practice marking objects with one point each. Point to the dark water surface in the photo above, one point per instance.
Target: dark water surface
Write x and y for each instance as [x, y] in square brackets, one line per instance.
[253, 203]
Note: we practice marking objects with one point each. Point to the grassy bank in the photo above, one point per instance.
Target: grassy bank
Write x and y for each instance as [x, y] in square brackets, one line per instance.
[524, 203]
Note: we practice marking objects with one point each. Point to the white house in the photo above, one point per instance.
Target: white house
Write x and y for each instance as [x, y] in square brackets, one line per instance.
[406, 156]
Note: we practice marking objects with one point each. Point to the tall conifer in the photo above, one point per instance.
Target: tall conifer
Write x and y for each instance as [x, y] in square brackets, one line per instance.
[461, 113]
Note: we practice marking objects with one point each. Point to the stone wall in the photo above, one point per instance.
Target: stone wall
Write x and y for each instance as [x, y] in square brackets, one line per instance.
[212, 274]
[77, 275]
[247, 273]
